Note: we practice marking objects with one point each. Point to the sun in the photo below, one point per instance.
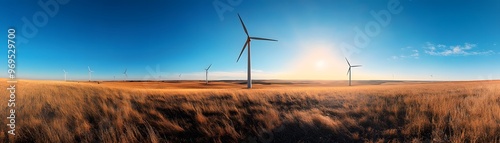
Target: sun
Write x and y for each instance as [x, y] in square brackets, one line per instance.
[320, 64]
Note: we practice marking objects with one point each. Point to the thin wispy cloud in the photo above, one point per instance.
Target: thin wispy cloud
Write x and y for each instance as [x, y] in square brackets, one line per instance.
[408, 52]
[415, 54]
[466, 49]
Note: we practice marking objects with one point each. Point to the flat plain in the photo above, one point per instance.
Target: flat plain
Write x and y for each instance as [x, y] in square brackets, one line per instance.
[275, 111]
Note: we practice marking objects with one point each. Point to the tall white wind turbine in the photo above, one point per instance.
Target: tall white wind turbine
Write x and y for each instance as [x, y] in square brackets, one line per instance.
[349, 71]
[249, 39]
[206, 74]
[90, 73]
[65, 74]
[125, 73]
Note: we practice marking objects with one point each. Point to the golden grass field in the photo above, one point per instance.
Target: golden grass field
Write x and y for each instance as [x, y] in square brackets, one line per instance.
[319, 111]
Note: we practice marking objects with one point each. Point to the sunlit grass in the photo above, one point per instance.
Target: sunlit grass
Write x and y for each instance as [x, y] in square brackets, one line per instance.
[82, 112]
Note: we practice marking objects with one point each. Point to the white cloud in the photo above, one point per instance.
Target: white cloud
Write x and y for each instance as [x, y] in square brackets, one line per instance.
[415, 54]
[412, 54]
[469, 46]
[458, 50]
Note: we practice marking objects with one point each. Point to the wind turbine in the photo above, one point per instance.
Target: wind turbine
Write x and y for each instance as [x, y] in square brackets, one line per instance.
[349, 71]
[65, 74]
[180, 77]
[206, 74]
[90, 73]
[249, 39]
[125, 73]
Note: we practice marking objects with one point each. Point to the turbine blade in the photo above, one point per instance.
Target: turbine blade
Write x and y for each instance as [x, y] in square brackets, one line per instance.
[259, 38]
[356, 66]
[243, 24]
[348, 71]
[244, 46]
[125, 72]
[89, 68]
[348, 62]
[209, 66]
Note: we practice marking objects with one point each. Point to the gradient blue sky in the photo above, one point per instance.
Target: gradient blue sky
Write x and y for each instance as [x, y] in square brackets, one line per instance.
[450, 40]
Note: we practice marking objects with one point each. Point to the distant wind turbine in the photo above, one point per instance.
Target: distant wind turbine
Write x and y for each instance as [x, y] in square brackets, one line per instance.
[180, 77]
[249, 39]
[206, 74]
[349, 71]
[90, 73]
[125, 73]
[65, 74]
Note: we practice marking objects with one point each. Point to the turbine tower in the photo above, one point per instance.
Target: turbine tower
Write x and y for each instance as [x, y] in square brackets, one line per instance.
[65, 74]
[90, 73]
[125, 73]
[349, 71]
[249, 68]
[206, 74]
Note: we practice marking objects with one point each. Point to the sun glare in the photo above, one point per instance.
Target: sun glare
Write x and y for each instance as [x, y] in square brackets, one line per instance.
[320, 64]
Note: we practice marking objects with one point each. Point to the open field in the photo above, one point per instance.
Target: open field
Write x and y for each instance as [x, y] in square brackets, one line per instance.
[234, 84]
[277, 111]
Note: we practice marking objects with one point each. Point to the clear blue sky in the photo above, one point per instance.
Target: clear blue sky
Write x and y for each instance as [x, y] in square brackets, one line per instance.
[450, 40]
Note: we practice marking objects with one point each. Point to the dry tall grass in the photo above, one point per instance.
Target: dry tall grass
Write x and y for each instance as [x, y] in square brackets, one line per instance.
[434, 112]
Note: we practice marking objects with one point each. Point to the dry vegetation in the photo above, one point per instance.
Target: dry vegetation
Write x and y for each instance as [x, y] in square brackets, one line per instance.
[431, 112]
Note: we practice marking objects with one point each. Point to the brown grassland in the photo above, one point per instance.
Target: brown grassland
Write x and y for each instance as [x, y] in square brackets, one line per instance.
[55, 111]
